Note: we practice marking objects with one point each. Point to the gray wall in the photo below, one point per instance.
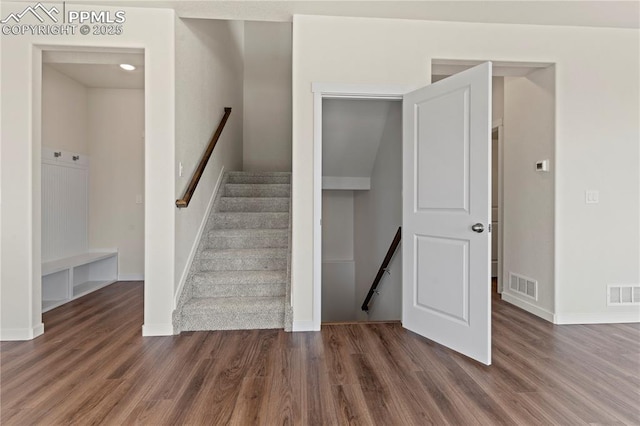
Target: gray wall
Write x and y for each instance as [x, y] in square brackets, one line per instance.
[338, 266]
[378, 213]
[267, 96]
[209, 70]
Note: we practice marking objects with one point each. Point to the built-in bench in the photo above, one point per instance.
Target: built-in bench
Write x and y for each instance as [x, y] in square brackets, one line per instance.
[67, 279]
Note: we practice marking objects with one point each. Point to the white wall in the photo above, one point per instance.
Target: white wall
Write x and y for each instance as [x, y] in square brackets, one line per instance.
[378, 213]
[528, 195]
[597, 132]
[116, 176]
[267, 96]
[209, 69]
[64, 112]
[21, 82]
[338, 266]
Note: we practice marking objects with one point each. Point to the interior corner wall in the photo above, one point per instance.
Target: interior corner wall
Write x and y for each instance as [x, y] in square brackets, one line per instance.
[597, 132]
[497, 98]
[378, 214]
[64, 112]
[267, 96]
[21, 81]
[116, 176]
[209, 70]
[528, 195]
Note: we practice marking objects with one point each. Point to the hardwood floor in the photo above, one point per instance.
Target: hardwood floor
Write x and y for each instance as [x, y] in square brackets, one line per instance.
[93, 367]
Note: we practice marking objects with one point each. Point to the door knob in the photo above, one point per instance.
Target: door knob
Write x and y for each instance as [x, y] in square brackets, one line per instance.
[478, 227]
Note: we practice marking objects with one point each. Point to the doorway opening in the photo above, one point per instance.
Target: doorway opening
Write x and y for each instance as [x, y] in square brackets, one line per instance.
[361, 209]
[92, 174]
[523, 180]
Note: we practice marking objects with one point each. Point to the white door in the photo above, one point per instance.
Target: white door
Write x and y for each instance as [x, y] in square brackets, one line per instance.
[447, 211]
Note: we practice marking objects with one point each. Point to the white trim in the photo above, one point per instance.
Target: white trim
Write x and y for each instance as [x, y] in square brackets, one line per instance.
[598, 318]
[528, 306]
[19, 334]
[320, 91]
[346, 183]
[359, 91]
[196, 242]
[317, 218]
[497, 124]
[130, 277]
[305, 326]
[157, 330]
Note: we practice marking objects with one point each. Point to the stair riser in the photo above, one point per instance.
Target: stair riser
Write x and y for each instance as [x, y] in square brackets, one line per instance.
[247, 242]
[254, 205]
[241, 264]
[197, 321]
[259, 179]
[260, 221]
[239, 290]
[262, 190]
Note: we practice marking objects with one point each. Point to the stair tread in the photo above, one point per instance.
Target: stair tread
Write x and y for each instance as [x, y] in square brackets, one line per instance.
[254, 199]
[253, 214]
[258, 185]
[277, 274]
[244, 252]
[236, 304]
[258, 232]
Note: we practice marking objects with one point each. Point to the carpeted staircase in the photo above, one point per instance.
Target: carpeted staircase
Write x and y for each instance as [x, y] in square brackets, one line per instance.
[240, 276]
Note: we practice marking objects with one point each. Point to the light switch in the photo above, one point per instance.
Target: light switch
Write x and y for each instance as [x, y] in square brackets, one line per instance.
[592, 196]
[180, 169]
[138, 199]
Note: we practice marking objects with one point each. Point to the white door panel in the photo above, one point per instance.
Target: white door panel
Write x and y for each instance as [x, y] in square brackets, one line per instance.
[446, 181]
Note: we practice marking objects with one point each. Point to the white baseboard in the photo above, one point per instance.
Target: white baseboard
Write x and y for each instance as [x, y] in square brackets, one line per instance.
[528, 306]
[157, 330]
[130, 277]
[598, 318]
[17, 334]
[194, 247]
[304, 326]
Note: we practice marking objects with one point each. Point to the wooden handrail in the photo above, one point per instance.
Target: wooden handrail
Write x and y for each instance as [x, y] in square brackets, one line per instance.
[188, 193]
[383, 268]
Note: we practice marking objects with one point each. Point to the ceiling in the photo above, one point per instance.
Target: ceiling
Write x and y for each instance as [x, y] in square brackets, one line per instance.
[616, 14]
[99, 69]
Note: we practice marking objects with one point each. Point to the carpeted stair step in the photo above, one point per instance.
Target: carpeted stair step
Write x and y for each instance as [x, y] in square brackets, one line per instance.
[251, 220]
[233, 313]
[259, 179]
[257, 190]
[247, 238]
[242, 259]
[253, 204]
[239, 283]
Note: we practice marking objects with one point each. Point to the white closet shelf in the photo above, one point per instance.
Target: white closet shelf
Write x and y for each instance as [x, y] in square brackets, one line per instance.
[73, 261]
[69, 278]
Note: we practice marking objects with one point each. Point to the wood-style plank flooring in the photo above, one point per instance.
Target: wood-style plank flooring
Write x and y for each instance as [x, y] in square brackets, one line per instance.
[92, 366]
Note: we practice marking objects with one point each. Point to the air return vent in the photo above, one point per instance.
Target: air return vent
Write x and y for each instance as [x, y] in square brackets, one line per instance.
[623, 294]
[523, 285]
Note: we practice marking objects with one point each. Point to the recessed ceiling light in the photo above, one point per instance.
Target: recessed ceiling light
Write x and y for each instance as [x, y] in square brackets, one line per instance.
[127, 67]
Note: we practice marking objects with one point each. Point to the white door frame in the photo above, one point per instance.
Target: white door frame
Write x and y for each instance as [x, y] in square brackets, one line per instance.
[334, 91]
[497, 125]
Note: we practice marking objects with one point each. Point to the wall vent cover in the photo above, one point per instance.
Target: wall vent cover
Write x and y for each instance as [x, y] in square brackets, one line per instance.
[623, 294]
[523, 285]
